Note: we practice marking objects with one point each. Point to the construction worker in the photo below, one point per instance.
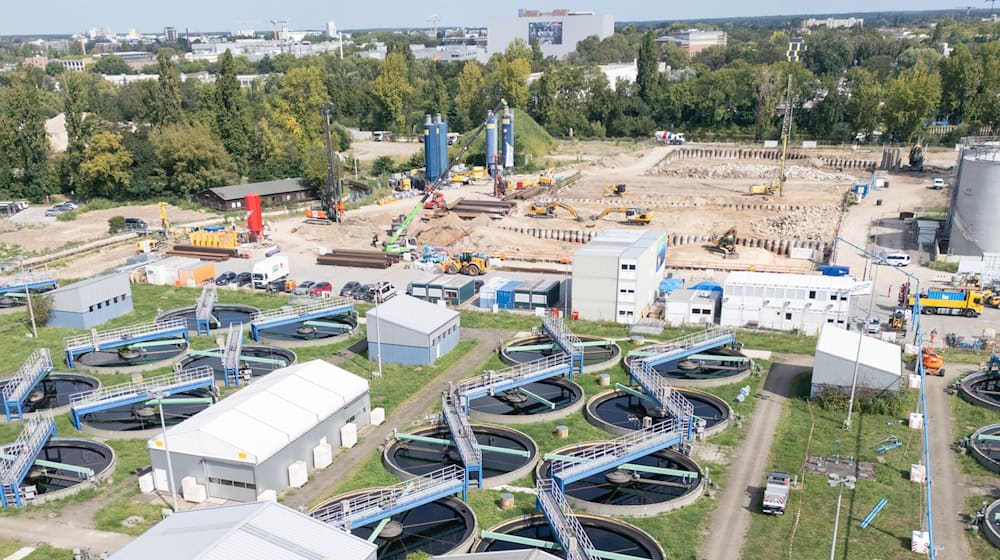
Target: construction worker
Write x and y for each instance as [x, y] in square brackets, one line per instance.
[340, 210]
[375, 240]
[933, 335]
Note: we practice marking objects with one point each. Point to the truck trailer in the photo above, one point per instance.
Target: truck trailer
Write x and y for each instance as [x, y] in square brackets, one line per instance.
[968, 303]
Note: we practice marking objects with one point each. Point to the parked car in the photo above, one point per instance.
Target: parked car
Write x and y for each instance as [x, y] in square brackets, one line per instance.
[51, 212]
[278, 286]
[381, 292]
[897, 259]
[349, 288]
[136, 224]
[302, 289]
[243, 279]
[873, 325]
[320, 289]
[65, 206]
[362, 291]
[225, 278]
[938, 184]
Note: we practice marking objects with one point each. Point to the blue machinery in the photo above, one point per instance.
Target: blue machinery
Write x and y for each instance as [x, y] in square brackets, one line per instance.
[138, 391]
[18, 387]
[203, 309]
[122, 337]
[18, 457]
[297, 313]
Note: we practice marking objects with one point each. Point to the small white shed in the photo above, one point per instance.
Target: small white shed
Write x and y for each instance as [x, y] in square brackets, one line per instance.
[692, 307]
[880, 363]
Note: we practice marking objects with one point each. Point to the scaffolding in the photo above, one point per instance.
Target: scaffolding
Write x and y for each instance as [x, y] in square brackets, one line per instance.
[17, 458]
[124, 336]
[204, 308]
[17, 388]
[323, 307]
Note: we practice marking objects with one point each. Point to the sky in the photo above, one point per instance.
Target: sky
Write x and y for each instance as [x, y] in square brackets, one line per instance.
[70, 16]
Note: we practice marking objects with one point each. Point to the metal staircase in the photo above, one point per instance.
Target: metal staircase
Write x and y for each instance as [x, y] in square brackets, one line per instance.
[18, 387]
[16, 459]
[204, 308]
[564, 339]
[27, 281]
[565, 526]
[464, 437]
[124, 336]
[294, 313]
[598, 458]
[382, 503]
[685, 346]
[231, 354]
[659, 389]
[138, 391]
[493, 382]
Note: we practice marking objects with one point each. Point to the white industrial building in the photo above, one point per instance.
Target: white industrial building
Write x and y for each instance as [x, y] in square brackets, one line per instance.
[616, 275]
[255, 530]
[266, 437]
[692, 307]
[557, 32]
[880, 364]
[787, 302]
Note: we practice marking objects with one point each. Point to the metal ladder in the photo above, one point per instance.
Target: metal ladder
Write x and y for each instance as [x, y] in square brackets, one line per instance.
[16, 459]
[37, 366]
[564, 524]
[203, 310]
[465, 438]
[660, 390]
[515, 376]
[561, 335]
[231, 354]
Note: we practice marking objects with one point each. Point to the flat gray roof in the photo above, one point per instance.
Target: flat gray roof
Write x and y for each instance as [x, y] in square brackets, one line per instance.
[266, 188]
[412, 313]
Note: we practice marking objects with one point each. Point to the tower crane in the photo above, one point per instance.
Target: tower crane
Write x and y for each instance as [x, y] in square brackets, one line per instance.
[435, 19]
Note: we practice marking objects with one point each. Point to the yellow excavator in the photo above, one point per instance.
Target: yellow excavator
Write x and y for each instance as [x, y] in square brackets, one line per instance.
[633, 216]
[725, 244]
[548, 210]
[767, 188]
[614, 190]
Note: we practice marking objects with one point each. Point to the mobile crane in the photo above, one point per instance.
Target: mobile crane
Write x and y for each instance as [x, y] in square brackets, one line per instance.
[633, 216]
[392, 245]
[778, 185]
[548, 210]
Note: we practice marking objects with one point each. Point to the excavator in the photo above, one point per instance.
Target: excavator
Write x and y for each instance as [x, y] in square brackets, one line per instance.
[933, 363]
[614, 190]
[765, 189]
[633, 216]
[470, 264]
[725, 244]
[548, 210]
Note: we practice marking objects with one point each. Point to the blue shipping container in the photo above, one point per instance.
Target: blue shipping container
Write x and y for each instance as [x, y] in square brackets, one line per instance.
[505, 295]
[946, 295]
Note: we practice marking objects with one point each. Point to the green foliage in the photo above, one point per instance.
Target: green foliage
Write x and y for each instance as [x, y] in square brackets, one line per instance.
[911, 99]
[24, 148]
[647, 67]
[866, 401]
[116, 224]
[67, 216]
[190, 158]
[231, 116]
[383, 165]
[106, 167]
[531, 140]
[470, 104]
[167, 109]
[391, 88]
[111, 64]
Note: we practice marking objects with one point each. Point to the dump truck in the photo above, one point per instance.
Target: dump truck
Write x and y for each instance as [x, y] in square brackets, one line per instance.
[776, 493]
[968, 303]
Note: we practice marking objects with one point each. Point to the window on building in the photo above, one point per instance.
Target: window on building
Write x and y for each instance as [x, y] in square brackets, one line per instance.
[233, 483]
[840, 321]
[833, 297]
[124, 296]
[99, 305]
[91, 309]
[843, 297]
[830, 320]
[788, 316]
[812, 294]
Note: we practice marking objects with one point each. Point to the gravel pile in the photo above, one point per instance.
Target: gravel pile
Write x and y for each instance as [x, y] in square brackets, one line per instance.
[812, 223]
[725, 170]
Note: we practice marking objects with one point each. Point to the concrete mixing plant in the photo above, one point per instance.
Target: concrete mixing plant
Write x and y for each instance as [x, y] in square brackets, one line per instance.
[975, 199]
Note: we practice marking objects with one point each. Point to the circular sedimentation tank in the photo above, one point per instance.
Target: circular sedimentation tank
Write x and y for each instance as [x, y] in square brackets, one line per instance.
[141, 355]
[223, 315]
[595, 358]
[519, 407]
[986, 451]
[407, 458]
[717, 366]
[981, 389]
[18, 301]
[606, 535]
[619, 412]
[52, 482]
[632, 492]
[445, 526]
[53, 391]
[262, 360]
[140, 419]
[318, 330]
[990, 527]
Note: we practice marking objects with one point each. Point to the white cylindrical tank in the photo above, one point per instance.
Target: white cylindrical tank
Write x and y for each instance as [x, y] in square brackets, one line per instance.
[975, 227]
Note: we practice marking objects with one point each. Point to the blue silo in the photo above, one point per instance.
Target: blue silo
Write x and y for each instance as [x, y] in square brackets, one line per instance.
[491, 142]
[432, 152]
[507, 139]
[442, 123]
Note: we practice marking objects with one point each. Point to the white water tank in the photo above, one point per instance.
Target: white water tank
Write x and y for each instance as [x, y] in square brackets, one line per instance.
[298, 474]
[975, 228]
[349, 435]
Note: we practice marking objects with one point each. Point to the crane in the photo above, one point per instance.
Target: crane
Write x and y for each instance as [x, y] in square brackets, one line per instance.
[547, 209]
[434, 19]
[778, 184]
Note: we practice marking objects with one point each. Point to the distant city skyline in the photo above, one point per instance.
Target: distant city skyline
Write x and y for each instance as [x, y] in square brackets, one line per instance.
[65, 17]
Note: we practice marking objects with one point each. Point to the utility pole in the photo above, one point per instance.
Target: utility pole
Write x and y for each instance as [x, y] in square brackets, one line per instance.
[332, 192]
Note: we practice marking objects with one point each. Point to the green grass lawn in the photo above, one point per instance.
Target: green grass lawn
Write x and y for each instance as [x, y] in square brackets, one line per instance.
[43, 552]
[968, 419]
[805, 531]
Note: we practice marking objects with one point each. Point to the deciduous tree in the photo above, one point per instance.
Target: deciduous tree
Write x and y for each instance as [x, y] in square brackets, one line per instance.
[106, 167]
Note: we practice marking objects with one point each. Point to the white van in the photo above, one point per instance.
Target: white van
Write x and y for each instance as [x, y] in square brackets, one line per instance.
[897, 259]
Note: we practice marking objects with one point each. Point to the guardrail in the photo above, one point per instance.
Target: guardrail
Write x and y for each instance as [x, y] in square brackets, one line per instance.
[96, 338]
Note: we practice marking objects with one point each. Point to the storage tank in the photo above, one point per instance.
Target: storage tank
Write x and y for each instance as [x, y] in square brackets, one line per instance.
[432, 151]
[255, 219]
[507, 138]
[975, 228]
[442, 123]
[491, 142]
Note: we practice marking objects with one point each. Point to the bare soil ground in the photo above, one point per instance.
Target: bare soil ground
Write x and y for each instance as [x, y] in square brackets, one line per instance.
[367, 150]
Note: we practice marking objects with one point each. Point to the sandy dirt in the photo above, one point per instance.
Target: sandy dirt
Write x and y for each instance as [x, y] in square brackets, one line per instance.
[367, 150]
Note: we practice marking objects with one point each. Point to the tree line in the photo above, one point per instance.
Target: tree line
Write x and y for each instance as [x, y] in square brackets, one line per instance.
[173, 137]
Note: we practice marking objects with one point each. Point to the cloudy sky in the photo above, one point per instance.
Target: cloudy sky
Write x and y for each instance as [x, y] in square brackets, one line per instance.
[65, 16]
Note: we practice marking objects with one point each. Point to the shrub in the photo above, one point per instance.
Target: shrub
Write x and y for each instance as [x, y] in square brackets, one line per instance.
[866, 401]
[383, 165]
[67, 216]
[116, 224]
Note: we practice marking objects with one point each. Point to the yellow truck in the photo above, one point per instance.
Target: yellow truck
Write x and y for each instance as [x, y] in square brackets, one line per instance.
[942, 301]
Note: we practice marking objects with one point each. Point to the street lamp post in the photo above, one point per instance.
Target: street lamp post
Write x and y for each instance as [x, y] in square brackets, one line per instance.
[166, 450]
[378, 332]
[857, 355]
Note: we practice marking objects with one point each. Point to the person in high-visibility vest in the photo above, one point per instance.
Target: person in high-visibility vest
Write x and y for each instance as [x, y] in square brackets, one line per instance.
[340, 210]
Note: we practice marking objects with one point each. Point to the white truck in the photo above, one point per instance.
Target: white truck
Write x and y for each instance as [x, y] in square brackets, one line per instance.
[776, 493]
[668, 137]
[268, 270]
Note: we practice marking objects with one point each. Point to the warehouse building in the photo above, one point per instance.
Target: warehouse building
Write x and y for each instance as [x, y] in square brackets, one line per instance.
[92, 302]
[266, 437]
[282, 192]
[616, 275]
[453, 290]
[254, 530]
[557, 32]
[693, 41]
[692, 307]
[802, 303]
[410, 331]
[880, 364]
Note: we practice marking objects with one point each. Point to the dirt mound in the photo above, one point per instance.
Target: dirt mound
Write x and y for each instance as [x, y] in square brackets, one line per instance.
[729, 170]
[442, 231]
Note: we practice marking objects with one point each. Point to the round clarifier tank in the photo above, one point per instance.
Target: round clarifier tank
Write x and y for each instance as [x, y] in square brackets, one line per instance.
[599, 354]
[53, 391]
[52, 482]
[984, 448]
[316, 331]
[713, 367]
[407, 458]
[976, 202]
[259, 360]
[444, 526]
[606, 534]
[541, 401]
[639, 488]
[223, 315]
[990, 528]
[142, 420]
[981, 389]
[146, 355]
[620, 412]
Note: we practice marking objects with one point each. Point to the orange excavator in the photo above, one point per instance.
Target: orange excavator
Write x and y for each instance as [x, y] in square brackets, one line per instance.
[933, 363]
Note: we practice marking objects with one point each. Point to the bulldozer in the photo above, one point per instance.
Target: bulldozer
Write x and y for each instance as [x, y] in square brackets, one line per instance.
[470, 264]
[633, 216]
[991, 298]
[933, 363]
[614, 190]
[725, 244]
[548, 210]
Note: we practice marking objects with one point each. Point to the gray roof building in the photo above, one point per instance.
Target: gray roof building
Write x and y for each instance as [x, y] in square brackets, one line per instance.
[272, 193]
[258, 530]
[407, 330]
[412, 313]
